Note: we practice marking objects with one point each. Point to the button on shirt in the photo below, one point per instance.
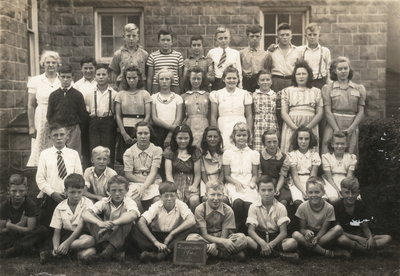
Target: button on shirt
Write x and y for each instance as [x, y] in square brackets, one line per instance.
[98, 183]
[232, 58]
[253, 60]
[109, 211]
[215, 220]
[315, 57]
[85, 86]
[103, 102]
[304, 161]
[283, 64]
[161, 220]
[64, 218]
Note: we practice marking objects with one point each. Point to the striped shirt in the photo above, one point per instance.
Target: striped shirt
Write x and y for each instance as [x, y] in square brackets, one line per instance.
[173, 61]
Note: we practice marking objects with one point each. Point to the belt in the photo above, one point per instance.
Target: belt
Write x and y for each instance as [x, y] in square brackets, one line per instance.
[144, 173]
[137, 116]
[282, 77]
[101, 118]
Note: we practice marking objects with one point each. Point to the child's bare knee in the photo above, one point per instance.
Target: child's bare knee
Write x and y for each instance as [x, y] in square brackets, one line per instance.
[297, 235]
[337, 229]
[289, 244]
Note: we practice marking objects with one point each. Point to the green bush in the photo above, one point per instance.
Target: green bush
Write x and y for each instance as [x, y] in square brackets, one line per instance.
[379, 172]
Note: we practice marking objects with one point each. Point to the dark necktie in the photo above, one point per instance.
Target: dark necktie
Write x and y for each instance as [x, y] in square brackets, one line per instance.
[62, 171]
[222, 60]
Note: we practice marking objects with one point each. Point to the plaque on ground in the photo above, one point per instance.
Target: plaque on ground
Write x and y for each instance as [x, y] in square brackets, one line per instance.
[190, 253]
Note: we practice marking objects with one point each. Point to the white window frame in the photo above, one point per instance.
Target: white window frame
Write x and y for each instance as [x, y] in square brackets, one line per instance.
[33, 39]
[113, 11]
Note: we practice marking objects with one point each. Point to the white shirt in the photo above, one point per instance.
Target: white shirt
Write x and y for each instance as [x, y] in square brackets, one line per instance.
[101, 206]
[232, 58]
[103, 102]
[314, 57]
[47, 178]
[166, 111]
[85, 86]
[283, 64]
[99, 183]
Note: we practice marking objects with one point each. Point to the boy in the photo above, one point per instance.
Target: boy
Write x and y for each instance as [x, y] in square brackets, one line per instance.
[317, 57]
[100, 104]
[216, 223]
[353, 216]
[68, 224]
[163, 225]
[110, 220]
[252, 58]
[197, 59]
[129, 54]
[67, 107]
[165, 57]
[223, 56]
[97, 176]
[267, 224]
[19, 232]
[54, 165]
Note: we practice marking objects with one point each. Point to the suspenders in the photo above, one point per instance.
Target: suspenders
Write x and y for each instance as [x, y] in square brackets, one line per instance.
[109, 103]
[320, 62]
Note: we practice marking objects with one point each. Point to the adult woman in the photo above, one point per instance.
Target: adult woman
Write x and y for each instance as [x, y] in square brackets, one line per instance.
[344, 103]
[301, 104]
[39, 89]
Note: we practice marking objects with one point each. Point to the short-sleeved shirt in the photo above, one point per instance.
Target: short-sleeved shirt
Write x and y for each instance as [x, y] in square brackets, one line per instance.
[132, 103]
[205, 63]
[274, 165]
[64, 218]
[232, 58]
[85, 86]
[215, 220]
[351, 223]
[211, 164]
[134, 163]
[108, 211]
[253, 60]
[98, 184]
[307, 99]
[241, 162]
[160, 220]
[123, 58]
[344, 101]
[101, 104]
[335, 166]
[27, 209]
[166, 110]
[231, 104]
[283, 64]
[173, 61]
[315, 220]
[319, 59]
[304, 161]
[267, 221]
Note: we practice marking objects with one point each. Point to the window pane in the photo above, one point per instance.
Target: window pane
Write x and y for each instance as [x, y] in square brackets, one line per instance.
[297, 40]
[118, 42]
[107, 47]
[297, 23]
[120, 22]
[134, 19]
[283, 18]
[106, 25]
[269, 24]
[268, 40]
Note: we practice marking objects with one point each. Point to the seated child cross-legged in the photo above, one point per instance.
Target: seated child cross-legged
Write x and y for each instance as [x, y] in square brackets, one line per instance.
[163, 225]
[216, 223]
[267, 224]
[316, 216]
[110, 220]
[68, 224]
[19, 232]
[353, 216]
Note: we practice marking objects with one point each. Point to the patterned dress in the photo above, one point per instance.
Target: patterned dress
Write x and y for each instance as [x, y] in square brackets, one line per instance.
[264, 106]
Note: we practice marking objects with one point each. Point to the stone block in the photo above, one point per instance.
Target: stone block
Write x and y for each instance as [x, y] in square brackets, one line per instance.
[367, 28]
[71, 19]
[178, 30]
[358, 64]
[20, 99]
[7, 70]
[381, 52]
[356, 76]
[88, 19]
[326, 27]
[151, 41]
[212, 10]
[346, 39]
[5, 117]
[61, 30]
[82, 51]
[221, 19]
[4, 164]
[369, 74]
[231, 10]
[336, 50]
[344, 28]
[331, 39]
[6, 99]
[382, 74]
[204, 19]
[196, 29]
[157, 11]
[368, 52]
[22, 55]
[16, 160]
[19, 85]
[89, 40]
[350, 18]
[6, 84]
[242, 19]
[359, 9]
[360, 39]
[82, 30]
[183, 41]
[251, 10]
[183, 10]
[375, 18]
[171, 20]
[150, 20]
[4, 139]
[19, 141]
[210, 29]
[197, 10]
[189, 19]
[382, 27]
[319, 18]
[378, 39]
[339, 9]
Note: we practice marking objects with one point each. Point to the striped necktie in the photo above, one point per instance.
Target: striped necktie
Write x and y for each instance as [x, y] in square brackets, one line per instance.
[62, 171]
[222, 60]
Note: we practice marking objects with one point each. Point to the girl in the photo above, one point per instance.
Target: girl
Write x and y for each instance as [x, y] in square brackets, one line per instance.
[240, 164]
[182, 166]
[230, 105]
[141, 164]
[133, 105]
[166, 109]
[316, 216]
[337, 165]
[303, 161]
[196, 103]
[301, 104]
[264, 104]
[344, 104]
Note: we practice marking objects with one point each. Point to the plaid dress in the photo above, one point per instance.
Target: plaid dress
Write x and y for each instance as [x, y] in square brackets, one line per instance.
[264, 106]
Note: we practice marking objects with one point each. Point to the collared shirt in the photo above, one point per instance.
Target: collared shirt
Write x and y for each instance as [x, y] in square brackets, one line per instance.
[345, 100]
[253, 60]
[215, 220]
[27, 209]
[109, 211]
[85, 86]
[41, 87]
[231, 104]
[267, 221]
[123, 58]
[351, 222]
[205, 63]
[314, 220]
[277, 156]
[47, 177]
[160, 220]
[283, 64]
[211, 165]
[98, 184]
[335, 166]
[304, 161]
[173, 61]
[232, 58]
[241, 161]
[104, 106]
[133, 163]
[64, 218]
[166, 111]
[318, 58]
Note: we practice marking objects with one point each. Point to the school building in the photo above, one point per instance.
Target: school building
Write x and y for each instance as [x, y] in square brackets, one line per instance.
[365, 31]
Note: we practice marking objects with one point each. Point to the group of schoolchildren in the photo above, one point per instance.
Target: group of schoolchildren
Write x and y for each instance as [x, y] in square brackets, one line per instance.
[197, 167]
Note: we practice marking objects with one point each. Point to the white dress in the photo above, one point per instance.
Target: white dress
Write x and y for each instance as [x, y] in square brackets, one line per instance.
[41, 88]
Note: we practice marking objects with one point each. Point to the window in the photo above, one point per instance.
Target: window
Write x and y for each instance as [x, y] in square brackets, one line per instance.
[109, 25]
[271, 17]
[32, 37]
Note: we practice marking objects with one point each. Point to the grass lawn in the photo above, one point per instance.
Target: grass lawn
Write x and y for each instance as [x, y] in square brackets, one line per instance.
[386, 262]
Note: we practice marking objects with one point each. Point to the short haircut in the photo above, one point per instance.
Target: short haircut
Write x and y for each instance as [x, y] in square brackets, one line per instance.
[185, 129]
[337, 134]
[313, 27]
[241, 126]
[350, 183]
[167, 187]
[214, 185]
[88, 60]
[188, 86]
[334, 63]
[145, 124]
[231, 69]
[47, 54]
[196, 37]
[165, 70]
[99, 150]
[283, 26]
[102, 66]
[130, 27]
[17, 179]
[263, 72]
[264, 179]
[56, 126]
[313, 139]
[124, 82]
[117, 179]
[253, 29]
[302, 64]
[271, 131]
[165, 32]
[221, 29]
[74, 180]
[315, 180]
[204, 144]
[65, 69]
